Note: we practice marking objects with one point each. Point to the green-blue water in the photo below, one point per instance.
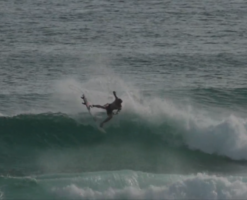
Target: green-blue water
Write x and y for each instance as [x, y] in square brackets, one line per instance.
[178, 66]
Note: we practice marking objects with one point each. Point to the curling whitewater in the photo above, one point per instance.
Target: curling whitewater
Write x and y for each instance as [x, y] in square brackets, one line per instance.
[124, 184]
[50, 130]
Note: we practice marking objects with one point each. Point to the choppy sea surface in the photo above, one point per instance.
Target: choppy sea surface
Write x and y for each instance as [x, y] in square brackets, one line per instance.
[178, 66]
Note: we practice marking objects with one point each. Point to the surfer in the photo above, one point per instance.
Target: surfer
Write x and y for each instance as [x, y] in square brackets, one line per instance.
[115, 105]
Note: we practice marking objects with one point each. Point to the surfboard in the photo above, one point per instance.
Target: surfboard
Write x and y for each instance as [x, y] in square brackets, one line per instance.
[88, 105]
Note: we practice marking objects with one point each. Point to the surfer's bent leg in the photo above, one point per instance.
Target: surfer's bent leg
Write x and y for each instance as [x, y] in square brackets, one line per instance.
[99, 106]
[106, 120]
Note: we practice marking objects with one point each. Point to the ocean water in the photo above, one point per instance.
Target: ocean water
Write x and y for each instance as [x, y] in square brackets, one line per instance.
[178, 66]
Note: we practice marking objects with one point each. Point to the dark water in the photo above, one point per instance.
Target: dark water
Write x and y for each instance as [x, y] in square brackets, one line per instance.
[179, 68]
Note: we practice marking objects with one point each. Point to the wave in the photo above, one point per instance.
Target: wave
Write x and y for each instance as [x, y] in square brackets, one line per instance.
[127, 184]
[226, 138]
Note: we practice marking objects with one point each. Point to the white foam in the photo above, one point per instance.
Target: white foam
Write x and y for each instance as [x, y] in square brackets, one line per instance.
[227, 138]
[200, 186]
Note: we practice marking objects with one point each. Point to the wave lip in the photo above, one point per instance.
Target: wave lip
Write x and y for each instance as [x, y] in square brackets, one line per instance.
[228, 138]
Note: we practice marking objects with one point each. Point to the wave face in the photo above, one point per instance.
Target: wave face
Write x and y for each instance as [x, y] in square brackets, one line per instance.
[55, 142]
[48, 130]
[52, 130]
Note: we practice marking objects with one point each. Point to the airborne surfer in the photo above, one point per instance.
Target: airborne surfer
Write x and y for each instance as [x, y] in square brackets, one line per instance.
[115, 105]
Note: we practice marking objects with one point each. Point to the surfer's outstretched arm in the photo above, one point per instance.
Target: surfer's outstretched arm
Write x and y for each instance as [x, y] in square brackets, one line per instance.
[115, 95]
